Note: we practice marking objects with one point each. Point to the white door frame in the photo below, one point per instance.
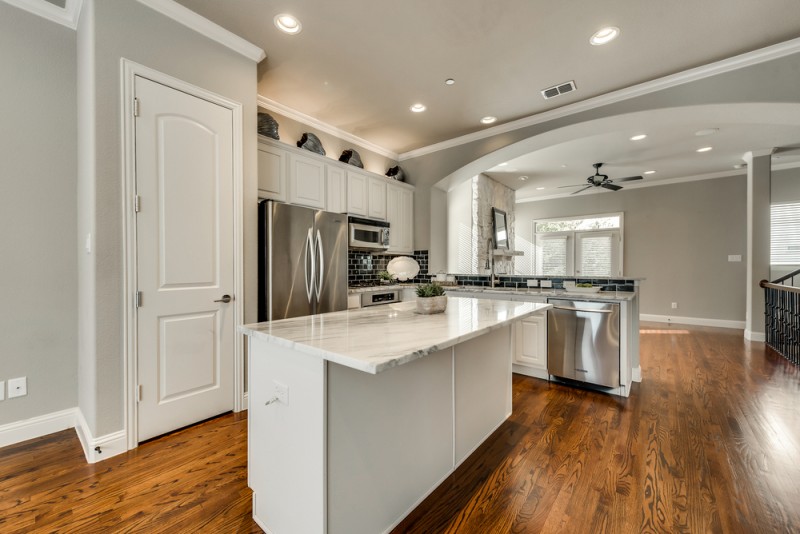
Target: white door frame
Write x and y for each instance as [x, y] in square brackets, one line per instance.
[129, 351]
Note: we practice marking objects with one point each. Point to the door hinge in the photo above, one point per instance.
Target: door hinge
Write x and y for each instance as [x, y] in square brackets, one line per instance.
[135, 107]
[139, 393]
[137, 203]
[138, 299]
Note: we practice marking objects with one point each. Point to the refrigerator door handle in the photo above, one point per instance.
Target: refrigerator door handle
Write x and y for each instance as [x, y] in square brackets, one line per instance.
[310, 272]
[320, 266]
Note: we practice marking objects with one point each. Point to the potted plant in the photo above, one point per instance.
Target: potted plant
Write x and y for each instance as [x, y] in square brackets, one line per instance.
[431, 299]
[385, 277]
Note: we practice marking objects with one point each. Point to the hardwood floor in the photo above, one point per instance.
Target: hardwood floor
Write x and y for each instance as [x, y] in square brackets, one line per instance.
[709, 442]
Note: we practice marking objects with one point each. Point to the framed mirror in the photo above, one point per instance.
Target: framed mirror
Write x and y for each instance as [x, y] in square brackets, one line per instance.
[499, 228]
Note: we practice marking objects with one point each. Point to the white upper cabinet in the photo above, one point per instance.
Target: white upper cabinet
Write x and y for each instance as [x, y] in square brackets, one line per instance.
[306, 181]
[272, 163]
[400, 214]
[335, 190]
[376, 206]
[357, 198]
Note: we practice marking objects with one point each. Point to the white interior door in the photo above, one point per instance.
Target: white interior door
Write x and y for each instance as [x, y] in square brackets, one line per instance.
[185, 263]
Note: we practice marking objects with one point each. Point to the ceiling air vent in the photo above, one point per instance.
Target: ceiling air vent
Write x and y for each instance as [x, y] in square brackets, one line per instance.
[559, 89]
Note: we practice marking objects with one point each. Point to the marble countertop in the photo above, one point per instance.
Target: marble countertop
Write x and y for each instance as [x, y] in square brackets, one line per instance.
[380, 337]
[613, 296]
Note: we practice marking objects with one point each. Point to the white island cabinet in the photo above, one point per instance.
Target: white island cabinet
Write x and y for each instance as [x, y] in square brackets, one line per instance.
[356, 416]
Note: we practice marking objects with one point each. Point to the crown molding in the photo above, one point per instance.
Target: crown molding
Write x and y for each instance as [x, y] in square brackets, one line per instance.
[712, 69]
[317, 124]
[66, 16]
[205, 27]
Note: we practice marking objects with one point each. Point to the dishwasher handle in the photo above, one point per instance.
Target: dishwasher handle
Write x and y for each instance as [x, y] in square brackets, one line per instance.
[569, 308]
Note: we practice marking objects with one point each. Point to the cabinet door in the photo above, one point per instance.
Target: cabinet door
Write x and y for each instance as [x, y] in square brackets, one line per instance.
[306, 181]
[335, 190]
[409, 293]
[531, 345]
[400, 214]
[272, 173]
[376, 204]
[356, 193]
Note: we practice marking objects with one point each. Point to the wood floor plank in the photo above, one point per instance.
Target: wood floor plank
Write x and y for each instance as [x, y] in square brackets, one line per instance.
[708, 443]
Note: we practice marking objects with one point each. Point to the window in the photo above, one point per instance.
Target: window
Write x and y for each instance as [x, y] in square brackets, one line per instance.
[579, 246]
[785, 234]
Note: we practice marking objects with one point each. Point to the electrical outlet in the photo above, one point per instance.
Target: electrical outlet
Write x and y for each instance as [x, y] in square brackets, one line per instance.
[532, 283]
[281, 392]
[2, 390]
[547, 283]
[17, 387]
[674, 305]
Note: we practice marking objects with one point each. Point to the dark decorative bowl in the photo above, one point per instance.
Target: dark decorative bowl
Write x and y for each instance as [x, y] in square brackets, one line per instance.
[397, 173]
[311, 142]
[268, 126]
[351, 157]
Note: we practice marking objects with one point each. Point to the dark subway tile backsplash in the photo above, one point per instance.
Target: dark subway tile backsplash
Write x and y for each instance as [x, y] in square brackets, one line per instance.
[363, 267]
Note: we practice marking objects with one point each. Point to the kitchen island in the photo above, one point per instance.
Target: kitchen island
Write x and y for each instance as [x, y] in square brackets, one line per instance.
[356, 416]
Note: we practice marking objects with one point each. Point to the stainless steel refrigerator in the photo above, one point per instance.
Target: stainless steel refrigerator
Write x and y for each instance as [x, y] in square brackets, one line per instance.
[302, 261]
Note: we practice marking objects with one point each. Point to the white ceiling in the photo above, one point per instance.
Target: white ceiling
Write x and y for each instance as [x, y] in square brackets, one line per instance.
[358, 66]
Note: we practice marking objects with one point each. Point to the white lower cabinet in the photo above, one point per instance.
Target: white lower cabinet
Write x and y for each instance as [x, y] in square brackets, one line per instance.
[354, 301]
[530, 353]
[408, 293]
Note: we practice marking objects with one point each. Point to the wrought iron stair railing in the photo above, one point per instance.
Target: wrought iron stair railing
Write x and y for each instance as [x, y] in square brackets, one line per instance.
[782, 311]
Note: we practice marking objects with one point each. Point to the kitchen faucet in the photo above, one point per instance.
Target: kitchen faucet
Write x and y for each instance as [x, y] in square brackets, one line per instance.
[490, 260]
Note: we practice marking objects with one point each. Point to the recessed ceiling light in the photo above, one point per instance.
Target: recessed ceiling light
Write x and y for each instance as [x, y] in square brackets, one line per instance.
[649, 172]
[488, 119]
[418, 108]
[502, 164]
[564, 166]
[288, 23]
[540, 188]
[523, 178]
[449, 81]
[606, 35]
[707, 131]
[638, 137]
[705, 149]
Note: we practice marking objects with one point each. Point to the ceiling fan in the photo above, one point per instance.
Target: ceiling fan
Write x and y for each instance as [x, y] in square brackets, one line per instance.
[601, 180]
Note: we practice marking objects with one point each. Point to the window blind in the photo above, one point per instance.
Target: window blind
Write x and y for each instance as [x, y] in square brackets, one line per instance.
[551, 257]
[595, 254]
[785, 234]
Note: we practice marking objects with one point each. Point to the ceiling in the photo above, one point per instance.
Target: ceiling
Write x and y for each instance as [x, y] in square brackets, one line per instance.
[358, 66]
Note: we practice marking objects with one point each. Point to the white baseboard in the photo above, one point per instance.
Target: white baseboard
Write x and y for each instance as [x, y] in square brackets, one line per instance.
[36, 427]
[755, 336]
[636, 374]
[699, 321]
[98, 448]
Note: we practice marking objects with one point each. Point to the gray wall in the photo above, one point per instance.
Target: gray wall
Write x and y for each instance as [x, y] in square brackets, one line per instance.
[38, 214]
[125, 29]
[678, 237]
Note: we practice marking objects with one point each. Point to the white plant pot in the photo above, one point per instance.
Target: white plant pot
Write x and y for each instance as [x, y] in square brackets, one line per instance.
[430, 305]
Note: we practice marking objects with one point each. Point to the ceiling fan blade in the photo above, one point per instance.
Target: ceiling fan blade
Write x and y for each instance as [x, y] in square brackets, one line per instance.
[579, 190]
[628, 179]
[611, 186]
[574, 185]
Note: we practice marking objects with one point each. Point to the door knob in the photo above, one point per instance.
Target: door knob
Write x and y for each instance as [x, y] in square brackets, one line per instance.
[225, 298]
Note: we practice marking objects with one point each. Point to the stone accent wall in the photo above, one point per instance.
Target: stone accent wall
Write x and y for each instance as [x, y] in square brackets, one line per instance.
[488, 194]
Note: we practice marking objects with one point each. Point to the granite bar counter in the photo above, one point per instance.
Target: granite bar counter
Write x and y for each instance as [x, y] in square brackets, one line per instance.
[356, 416]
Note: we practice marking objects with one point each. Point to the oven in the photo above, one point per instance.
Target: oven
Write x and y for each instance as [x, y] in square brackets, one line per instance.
[379, 296]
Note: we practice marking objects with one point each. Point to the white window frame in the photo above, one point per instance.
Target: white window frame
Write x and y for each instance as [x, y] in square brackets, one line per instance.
[574, 237]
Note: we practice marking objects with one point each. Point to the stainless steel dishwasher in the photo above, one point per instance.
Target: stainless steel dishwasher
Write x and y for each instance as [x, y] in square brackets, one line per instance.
[583, 341]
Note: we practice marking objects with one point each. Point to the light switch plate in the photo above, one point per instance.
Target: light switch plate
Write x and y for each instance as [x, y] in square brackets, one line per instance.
[532, 283]
[547, 283]
[2, 390]
[734, 257]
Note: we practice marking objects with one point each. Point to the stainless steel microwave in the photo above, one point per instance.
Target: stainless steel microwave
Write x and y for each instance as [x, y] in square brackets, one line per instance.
[366, 234]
